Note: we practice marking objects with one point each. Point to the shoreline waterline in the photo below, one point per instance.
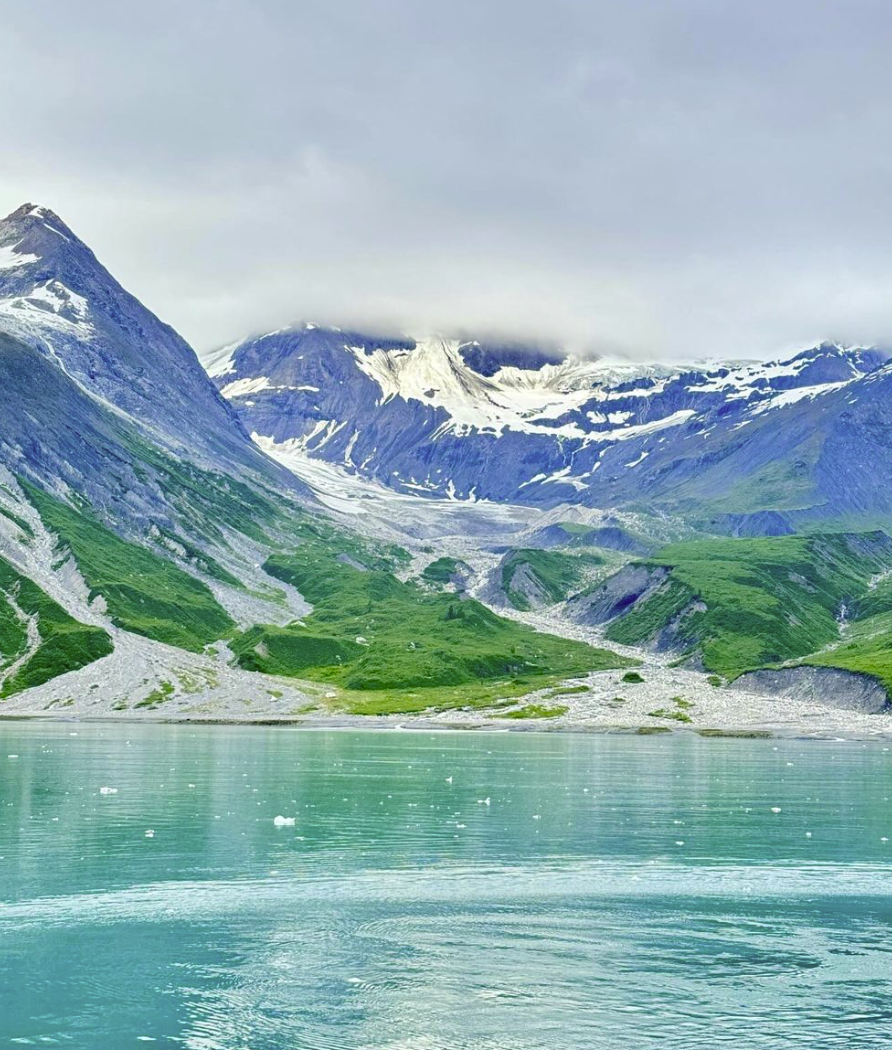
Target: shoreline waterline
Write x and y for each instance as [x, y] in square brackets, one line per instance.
[396, 724]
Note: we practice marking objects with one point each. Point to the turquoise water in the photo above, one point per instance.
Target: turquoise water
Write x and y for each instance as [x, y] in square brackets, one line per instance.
[613, 892]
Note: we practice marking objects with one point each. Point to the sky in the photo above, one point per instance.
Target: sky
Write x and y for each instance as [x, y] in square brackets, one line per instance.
[662, 178]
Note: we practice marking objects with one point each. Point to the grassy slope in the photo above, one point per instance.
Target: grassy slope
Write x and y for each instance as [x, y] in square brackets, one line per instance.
[65, 644]
[557, 573]
[144, 592]
[768, 600]
[441, 571]
[425, 649]
[867, 640]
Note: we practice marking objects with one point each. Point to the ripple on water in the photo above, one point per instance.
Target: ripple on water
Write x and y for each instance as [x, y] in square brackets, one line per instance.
[400, 912]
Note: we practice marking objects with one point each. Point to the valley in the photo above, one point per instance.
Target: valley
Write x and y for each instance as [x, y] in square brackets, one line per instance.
[331, 526]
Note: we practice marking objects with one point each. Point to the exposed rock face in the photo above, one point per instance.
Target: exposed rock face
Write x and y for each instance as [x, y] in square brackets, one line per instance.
[57, 298]
[676, 636]
[617, 594]
[525, 583]
[762, 523]
[831, 686]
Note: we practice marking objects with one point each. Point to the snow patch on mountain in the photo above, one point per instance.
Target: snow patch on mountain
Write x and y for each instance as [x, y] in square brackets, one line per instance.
[435, 373]
[11, 258]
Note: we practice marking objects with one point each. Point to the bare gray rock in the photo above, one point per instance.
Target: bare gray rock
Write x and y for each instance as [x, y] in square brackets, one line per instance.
[831, 686]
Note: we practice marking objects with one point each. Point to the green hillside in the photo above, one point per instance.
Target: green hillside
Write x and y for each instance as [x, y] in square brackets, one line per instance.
[748, 603]
[555, 573]
[370, 632]
[144, 592]
[866, 643]
[64, 644]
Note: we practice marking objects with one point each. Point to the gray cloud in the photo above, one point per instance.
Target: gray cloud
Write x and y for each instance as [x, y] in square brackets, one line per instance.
[661, 177]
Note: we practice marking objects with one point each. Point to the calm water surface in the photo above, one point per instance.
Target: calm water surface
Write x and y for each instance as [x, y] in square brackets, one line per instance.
[461, 890]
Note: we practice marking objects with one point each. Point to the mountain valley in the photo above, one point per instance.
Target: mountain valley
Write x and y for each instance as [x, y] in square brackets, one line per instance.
[326, 524]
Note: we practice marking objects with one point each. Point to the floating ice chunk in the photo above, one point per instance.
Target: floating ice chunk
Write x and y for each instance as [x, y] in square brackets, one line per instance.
[108, 791]
[775, 809]
[484, 801]
[150, 833]
[12, 756]
[448, 780]
[283, 822]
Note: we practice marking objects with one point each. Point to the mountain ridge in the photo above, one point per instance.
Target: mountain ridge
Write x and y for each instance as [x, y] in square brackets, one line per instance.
[416, 416]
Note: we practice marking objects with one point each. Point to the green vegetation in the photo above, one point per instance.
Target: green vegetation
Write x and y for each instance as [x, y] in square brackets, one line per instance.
[576, 528]
[157, 696]
[537, 711]
[747, 603]
[554, 574]
[632, 677]
[442, 571]
[678, 712]
[663, 712]
[779, 485]
[482, 694]
[866, 648]
[645, 619]
[144, 593]
[64, 643]
[204, 563]
[19, 523]
[370, 633]
[207, 499]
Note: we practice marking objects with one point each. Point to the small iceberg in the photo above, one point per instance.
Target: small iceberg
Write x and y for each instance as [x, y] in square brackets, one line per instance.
[284, 822]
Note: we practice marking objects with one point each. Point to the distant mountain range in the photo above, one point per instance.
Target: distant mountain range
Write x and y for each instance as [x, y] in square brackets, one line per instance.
[740, 447]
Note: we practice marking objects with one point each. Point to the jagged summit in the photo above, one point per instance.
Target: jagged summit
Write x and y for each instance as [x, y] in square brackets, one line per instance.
[36, 246]
[33, 230]
[57, 299]
[38, 212]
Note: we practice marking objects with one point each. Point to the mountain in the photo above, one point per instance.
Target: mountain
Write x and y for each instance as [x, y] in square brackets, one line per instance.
[742, 447]
[58, 300]
[477, 518]
[101, 398]
[152, 555]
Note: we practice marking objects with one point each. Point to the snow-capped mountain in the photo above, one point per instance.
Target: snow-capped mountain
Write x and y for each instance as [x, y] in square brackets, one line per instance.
[450, 418]
[90, 379]
[57, 298]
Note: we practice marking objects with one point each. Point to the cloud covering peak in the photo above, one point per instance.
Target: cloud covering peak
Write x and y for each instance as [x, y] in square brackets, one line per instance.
[661, 177]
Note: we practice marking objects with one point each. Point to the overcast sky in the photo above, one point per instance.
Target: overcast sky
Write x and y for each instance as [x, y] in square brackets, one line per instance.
[670, 178]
